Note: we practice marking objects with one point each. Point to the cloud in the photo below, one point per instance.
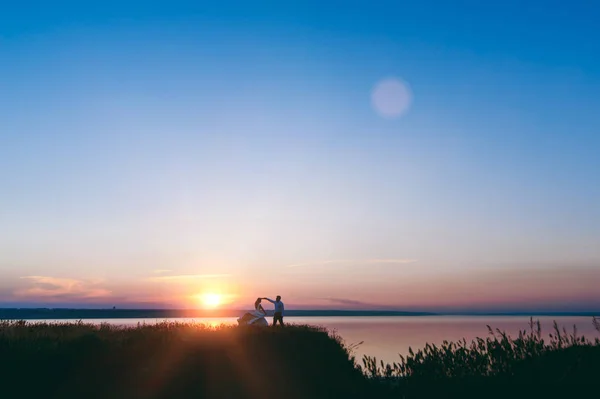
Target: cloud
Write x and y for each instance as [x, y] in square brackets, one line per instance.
[355, 304]
[61, 288]
[187, 277]
[161, 271]
[356, 261]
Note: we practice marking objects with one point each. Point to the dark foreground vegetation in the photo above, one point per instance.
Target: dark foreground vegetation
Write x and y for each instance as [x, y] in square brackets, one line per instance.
[560, 365]
[172, 360]
[176, 360]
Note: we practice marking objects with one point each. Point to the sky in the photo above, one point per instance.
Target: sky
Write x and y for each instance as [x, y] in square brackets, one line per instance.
[425, 155]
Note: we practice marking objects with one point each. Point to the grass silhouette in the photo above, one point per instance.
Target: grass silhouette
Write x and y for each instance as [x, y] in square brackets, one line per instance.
[172, 360]
[187, 360]
[497, 365]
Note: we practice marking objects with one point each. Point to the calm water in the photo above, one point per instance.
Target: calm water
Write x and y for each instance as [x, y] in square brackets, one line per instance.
[386, 337]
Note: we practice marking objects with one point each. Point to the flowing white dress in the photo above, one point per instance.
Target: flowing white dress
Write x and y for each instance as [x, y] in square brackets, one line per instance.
[254, 317]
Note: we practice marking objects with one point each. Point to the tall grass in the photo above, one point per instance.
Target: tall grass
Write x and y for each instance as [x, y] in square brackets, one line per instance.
[183, 360]
[497, 354]
[173, 360]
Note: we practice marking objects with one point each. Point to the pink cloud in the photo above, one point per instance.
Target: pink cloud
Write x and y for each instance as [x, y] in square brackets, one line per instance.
[61, 288]
[353, 261]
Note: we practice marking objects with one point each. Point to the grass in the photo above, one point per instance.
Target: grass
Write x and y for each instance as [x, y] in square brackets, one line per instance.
[173, 360]
[497, 364]
[185, 360]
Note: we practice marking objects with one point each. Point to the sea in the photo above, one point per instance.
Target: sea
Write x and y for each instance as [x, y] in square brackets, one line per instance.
[387, 337]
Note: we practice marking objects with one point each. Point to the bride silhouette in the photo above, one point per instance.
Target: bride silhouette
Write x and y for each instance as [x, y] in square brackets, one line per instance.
[255, 317]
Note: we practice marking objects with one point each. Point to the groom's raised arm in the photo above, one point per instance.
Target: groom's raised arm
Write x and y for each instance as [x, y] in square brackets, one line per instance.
[270, 300]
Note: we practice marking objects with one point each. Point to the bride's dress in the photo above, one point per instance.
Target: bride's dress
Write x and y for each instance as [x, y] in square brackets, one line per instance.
[254, 317]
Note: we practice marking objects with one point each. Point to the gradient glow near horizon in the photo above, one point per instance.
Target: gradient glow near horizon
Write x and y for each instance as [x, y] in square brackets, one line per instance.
[342, 155]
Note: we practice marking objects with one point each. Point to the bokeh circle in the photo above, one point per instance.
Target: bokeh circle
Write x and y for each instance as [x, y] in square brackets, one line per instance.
[391, 97]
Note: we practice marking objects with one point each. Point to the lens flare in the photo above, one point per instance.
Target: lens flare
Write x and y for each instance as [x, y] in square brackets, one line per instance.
[391, 98]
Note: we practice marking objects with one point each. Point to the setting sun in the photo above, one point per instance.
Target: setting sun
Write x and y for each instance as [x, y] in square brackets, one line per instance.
[210, 300]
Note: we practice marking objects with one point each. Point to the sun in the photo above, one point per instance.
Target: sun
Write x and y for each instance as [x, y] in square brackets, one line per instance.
[210, 300]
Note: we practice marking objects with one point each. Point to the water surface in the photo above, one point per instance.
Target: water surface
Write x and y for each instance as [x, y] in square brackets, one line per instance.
[386, 337]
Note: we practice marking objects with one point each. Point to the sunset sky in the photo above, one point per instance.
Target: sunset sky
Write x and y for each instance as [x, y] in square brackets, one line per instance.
[347, 155]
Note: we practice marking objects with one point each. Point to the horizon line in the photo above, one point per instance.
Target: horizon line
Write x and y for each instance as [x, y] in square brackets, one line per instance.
[305, 310]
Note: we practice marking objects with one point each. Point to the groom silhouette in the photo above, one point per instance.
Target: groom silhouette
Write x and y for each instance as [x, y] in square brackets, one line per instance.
[278, 316]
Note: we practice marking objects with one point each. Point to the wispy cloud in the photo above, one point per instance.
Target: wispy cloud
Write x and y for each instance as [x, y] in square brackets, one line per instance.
[187, 277]
[349, 302]
[61, 288]
[355, 261]
[354, 304]
[161, 271]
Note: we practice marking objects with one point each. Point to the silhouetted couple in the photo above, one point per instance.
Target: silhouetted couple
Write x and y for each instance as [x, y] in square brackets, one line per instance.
[278, 315]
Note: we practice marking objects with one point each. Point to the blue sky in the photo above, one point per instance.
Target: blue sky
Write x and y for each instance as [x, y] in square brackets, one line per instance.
[150, 152]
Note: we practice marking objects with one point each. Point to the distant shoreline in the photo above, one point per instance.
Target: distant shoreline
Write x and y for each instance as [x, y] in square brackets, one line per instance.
[75, 314]
[25, 314]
